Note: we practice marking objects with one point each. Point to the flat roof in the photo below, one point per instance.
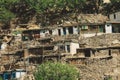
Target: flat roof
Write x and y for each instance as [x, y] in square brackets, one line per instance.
[113, 22]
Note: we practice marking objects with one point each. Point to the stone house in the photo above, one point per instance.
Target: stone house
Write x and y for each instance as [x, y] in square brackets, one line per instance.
[87, 25]
[67, 47]
[68, 28]
[92, 24]
[112, 26]
[34, 34]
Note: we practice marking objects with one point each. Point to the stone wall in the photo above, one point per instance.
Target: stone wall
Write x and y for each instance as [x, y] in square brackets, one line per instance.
[101, 68]
[102, 40]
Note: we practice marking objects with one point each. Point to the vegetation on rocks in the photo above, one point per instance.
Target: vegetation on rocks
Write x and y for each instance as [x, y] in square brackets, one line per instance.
[45, 10]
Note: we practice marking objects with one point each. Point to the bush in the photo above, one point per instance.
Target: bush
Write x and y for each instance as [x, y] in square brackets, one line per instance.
[1, 78]
[56, 71]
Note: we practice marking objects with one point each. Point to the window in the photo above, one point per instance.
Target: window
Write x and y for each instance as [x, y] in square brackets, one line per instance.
[70, 30]
[62, 48]
[59, 32]
[114, 16]
[108, 25]
[64, 31]
[84, 27]
[108, 16]
[68, 48]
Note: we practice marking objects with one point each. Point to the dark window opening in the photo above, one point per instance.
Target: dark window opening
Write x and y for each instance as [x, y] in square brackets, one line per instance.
[59, 32]
[108, 25]
[64, 31]
[30, 35]
[7, 76]
[62, 48]
[87, 53]
[36, 51]
[108, 16]
[113, 30]
[92, 27]
[49, 48]
[114, 16]
[116, 29]
[47, 41]
[70, 30]
[109, 52]
[101, 28]
[68, 48]
[50, 31]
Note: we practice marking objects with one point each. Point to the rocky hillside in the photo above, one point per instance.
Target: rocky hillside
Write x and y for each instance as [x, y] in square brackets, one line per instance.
[104, 67]
[102, 40]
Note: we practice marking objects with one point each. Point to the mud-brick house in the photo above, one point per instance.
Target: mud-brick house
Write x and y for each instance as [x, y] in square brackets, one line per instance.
[9, 59]
[66, 46]
[98, 52]
[88, 25]
[39, 54]
[92, 24]
[36, 34]
[113, 25]
[68, 28]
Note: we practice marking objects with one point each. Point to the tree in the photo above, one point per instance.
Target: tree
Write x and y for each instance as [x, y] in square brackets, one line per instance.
[46, 11]
[56, 71]
[5, 14]
[113, 6]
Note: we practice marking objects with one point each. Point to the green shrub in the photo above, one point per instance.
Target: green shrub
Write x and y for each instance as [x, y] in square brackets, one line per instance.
[56, 71]
[1, 78]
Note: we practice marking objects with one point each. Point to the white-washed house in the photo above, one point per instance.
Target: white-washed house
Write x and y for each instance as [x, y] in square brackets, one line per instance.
[113, 25]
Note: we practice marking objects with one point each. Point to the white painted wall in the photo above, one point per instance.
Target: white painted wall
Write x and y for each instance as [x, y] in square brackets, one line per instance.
[106, 1]
[67, 33]
[46, 32]
[73, 47]
[118, 16]
[66, 49]
[20, 74]
[75, 30]
[4, 46]
[61, 31]
[108, 28]
[111, 16]
[42, 34]
[55, 32]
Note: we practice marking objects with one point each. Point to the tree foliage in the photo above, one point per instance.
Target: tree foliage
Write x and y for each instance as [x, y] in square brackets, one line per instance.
[55, 5]
[5, 13]
[46, 9]
[113, 6]
[56, 71]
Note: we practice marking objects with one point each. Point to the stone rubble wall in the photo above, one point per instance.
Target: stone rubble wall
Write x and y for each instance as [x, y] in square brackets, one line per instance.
[100, 68]
[101, 41]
